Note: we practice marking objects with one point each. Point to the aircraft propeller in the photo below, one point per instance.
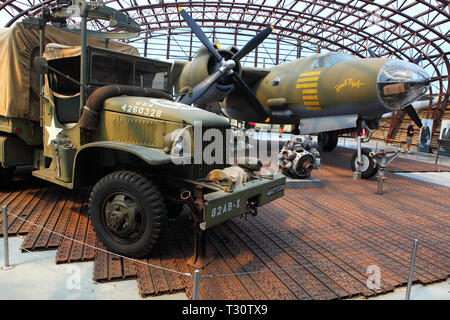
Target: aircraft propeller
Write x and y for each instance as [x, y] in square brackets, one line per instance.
[226, 67]
[199, 33]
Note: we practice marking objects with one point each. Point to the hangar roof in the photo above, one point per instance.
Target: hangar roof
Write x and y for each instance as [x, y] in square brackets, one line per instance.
[402, 29]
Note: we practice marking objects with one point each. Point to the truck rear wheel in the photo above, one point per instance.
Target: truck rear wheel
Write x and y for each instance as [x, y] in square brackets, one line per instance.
[128, 213]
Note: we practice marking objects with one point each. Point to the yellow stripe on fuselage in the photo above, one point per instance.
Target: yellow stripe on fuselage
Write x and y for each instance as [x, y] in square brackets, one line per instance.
[307, 85]
[311, 103]
[310, 98]
[309, 74]
[308, 79]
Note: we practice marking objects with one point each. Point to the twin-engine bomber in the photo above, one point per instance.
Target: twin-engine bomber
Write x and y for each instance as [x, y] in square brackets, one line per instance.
[326, 94]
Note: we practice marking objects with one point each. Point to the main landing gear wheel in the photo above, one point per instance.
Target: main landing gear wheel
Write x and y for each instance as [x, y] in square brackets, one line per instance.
[327, 142]
[367, 166]
[128, 213]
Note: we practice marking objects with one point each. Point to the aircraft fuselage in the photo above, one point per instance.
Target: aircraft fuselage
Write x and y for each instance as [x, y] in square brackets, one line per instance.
[332, 85]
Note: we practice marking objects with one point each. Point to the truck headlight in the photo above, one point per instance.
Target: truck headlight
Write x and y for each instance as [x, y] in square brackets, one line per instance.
[178, 145]
[178, 142]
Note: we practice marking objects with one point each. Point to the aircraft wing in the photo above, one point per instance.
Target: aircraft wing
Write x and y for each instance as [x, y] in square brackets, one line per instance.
[328, 123]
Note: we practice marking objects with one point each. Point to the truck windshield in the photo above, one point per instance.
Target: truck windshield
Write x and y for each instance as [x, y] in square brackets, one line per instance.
[149, 75]
[108, 67]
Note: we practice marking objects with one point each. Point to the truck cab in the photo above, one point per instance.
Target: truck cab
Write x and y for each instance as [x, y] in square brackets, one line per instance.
[61, 110]
[135, 146]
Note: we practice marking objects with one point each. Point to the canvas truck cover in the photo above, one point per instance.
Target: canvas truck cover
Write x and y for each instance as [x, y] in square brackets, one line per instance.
[19, 84]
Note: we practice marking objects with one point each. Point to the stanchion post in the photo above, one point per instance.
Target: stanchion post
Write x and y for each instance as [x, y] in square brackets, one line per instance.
[196, 284]
[396, 163]
[5, 237]
[357, 173]
[411, 269]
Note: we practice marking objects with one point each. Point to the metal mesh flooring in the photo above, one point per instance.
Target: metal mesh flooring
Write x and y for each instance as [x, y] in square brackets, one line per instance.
[311, 244]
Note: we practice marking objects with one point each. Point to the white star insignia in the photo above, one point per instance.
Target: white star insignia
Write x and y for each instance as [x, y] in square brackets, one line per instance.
[53, 131]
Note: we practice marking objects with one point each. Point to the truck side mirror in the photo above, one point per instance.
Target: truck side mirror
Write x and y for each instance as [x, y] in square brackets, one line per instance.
[41, 65]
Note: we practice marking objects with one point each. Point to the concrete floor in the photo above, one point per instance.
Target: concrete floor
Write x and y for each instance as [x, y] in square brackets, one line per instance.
[37, 276]
[441, 178]
[415, 155]
[435, 291]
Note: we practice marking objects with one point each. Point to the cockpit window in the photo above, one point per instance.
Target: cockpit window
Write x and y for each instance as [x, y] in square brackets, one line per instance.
[334, 58]
[318, 63]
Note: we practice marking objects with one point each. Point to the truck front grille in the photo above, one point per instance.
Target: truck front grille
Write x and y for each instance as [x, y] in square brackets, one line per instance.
[201, 170]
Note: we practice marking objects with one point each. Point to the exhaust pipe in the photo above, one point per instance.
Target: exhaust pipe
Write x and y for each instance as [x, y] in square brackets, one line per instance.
[186, 196]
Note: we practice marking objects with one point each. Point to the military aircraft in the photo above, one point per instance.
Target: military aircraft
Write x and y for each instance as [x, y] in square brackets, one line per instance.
[327, 94]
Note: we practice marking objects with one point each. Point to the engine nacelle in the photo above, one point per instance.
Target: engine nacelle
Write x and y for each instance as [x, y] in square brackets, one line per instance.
[215, 94]
[187, 75]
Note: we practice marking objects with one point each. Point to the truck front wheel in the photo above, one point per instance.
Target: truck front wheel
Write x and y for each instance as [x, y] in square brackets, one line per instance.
[128, 213]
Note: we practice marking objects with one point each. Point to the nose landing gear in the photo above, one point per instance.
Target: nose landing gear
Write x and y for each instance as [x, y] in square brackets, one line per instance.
[363, 165]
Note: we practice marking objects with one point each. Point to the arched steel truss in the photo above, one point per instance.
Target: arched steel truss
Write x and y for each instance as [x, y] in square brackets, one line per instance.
[401, 29]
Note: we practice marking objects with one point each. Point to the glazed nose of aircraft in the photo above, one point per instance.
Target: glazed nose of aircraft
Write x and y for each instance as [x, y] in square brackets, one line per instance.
[399, 83]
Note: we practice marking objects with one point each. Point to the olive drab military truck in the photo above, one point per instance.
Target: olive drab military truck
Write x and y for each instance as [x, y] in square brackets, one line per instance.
[122, 140]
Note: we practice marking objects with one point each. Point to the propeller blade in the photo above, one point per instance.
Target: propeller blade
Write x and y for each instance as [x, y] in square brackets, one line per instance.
[371, 53]
[202, 87]
[418, 59]
[199, 33]
[413, 115]
[252, 44]
[251, 98]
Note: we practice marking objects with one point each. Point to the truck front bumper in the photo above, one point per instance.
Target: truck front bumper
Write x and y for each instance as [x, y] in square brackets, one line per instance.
[221, 206]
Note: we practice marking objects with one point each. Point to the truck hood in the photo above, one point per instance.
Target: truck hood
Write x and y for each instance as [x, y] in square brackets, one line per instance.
[162, 109]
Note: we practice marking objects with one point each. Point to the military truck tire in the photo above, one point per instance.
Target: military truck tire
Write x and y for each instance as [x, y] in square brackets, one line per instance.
[6, 177]
[369, 168]
[128, 213]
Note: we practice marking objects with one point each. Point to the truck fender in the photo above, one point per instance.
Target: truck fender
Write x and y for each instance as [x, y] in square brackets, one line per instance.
[94, 156]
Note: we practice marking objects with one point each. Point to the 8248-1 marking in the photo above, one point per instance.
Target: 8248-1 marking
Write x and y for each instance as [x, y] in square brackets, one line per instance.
[219, 210]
